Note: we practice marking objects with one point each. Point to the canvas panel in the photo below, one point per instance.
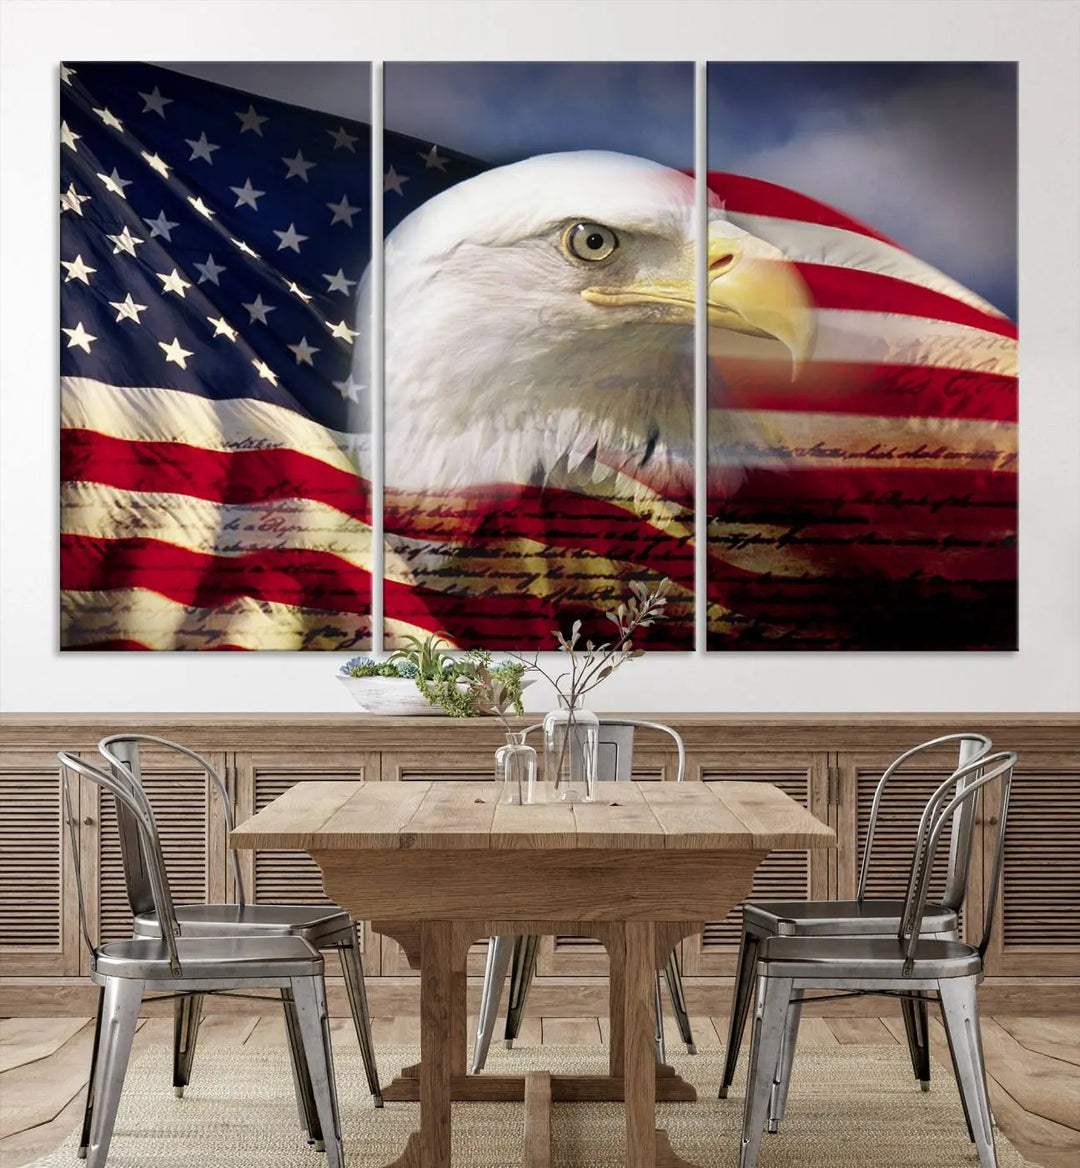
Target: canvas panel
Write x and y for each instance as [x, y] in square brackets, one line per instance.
[863, 461]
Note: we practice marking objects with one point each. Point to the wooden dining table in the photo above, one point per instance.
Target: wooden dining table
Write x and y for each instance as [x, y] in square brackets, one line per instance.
[438, 865]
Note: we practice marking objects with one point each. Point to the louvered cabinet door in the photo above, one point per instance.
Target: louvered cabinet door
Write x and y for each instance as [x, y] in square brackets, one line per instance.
[1037, 923]
[291, 877]
[584, 956]
[782, 875]
[191, 827]
[410, 766]
[39, 915]
[858, 774]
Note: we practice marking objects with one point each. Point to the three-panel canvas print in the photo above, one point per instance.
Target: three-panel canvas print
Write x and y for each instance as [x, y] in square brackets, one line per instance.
[556, 359]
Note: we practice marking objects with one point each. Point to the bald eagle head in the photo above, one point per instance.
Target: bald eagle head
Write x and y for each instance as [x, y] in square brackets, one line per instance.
[539, 323]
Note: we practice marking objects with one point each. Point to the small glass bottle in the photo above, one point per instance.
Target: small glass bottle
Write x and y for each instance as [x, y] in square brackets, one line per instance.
[515, 769]
[571, 740]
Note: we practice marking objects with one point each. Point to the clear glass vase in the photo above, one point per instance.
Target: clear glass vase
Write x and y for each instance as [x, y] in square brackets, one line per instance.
[515, 769]
[571, 736]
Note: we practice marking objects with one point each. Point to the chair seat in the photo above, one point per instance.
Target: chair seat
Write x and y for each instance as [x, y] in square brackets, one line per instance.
[843, 918]
[211, 957]
[315, 923]
[864, 957]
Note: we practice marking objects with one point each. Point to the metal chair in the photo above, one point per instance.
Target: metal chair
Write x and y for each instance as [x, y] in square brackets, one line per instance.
[862, 916]
[900, 966]
[323, 926]
[518, 954]
[174, 964]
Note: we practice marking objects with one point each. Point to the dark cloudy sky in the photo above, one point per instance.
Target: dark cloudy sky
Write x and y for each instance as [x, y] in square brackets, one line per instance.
[925, 152]
[506, 111]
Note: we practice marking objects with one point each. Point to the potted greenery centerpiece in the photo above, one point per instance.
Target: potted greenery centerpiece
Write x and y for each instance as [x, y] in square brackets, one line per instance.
[425, 677]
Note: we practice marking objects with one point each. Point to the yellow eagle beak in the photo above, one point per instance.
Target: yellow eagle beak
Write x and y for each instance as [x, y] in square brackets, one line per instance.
[753, 289]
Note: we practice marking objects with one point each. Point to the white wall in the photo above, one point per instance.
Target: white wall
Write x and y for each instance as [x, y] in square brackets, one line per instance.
[1042, 34]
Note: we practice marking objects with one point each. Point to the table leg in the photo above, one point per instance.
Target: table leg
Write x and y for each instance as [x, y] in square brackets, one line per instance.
[644, 945]
[639, 1059]
[442, 997]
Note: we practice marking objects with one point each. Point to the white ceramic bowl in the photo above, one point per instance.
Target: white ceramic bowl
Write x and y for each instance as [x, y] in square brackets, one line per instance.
[393, 695]
[388, 695]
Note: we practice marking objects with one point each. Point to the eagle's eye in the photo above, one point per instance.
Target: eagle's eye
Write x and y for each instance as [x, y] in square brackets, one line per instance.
[590, 241]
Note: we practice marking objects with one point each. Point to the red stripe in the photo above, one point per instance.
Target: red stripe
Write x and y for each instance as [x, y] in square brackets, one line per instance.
[554, 518]
[521, 621]
[754, 196]
[242, 476]
[890, 523]
[854, 288]
[316, 580]
[858, 388]
[305, 579]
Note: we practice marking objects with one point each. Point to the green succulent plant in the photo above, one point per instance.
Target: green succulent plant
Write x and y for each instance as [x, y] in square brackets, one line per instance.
[466, 686]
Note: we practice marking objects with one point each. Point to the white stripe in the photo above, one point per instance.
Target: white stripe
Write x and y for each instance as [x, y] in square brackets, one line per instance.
[509, 567]
[148, 414]
[799, 440]
[159, 623]
[837, 247]
[221, 529]
[892, 339]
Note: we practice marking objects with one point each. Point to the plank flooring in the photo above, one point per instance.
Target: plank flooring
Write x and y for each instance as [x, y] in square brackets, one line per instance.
[1034, 1067]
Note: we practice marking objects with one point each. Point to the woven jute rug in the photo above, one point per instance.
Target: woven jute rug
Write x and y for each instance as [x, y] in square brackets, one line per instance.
[850, 1107]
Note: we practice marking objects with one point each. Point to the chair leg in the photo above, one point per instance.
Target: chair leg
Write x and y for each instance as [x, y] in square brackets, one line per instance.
[309, 995]
[120, 1016]
[522, 968]
[353, 969]
[187, 1014]
[305, 1099]
[960, 1007]
[782, 1083]
[773, 999]
[740, 1007]
[956, 1076]
[88, 1109]
[500, 950]
[658, 1038]
[918, 1038]
[673, 975]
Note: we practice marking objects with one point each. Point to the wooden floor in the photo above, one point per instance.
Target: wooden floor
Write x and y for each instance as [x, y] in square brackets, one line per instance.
[1034, 1065]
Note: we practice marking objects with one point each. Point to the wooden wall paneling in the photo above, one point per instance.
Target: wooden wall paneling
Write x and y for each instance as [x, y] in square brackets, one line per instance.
[1034, 962]
[1037, 919]
[39, 913]
[280, 877]
[804, 775]
[436, 763]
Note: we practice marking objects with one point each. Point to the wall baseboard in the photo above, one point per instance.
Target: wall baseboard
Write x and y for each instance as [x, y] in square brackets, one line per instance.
[554, 997]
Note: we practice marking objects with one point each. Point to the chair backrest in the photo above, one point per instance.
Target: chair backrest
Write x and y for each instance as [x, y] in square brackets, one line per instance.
[130, 796]
[963, 789]
[121, 752]
[615, 746]
[971, 748]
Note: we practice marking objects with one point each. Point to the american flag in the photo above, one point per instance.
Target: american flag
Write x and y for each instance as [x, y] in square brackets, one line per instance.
[211, 245]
